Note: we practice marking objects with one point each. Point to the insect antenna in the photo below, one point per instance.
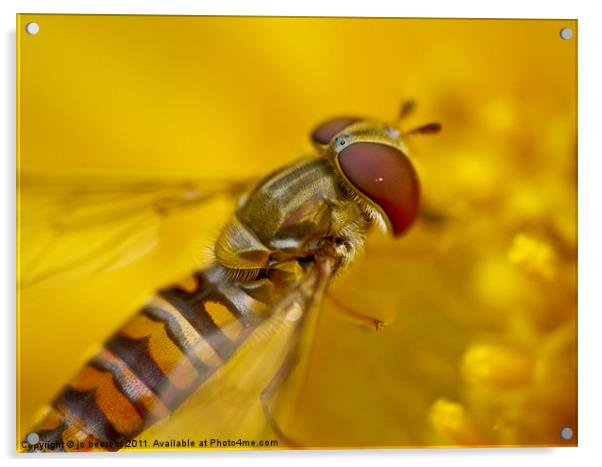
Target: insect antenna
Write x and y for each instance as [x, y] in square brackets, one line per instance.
[428, 129]
[406, 108]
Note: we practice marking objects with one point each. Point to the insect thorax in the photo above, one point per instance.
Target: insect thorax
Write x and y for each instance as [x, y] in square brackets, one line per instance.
[288, 216]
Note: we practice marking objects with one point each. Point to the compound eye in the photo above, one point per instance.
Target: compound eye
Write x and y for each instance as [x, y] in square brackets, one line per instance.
[386, 176]
[324, 133]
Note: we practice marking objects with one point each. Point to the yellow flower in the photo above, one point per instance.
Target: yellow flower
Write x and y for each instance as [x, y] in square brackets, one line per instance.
[534, 256]
[479, 297]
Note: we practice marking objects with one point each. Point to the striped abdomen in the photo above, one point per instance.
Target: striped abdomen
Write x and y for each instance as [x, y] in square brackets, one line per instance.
[154, 362]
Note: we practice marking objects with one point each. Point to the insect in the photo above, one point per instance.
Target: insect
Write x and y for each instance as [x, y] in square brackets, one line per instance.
[291, 233]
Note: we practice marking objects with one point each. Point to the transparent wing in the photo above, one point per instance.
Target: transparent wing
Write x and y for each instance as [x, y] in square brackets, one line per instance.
[228, 405]
[72, 227]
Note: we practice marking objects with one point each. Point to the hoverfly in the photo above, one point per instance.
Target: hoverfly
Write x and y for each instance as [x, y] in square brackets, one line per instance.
[290, 234]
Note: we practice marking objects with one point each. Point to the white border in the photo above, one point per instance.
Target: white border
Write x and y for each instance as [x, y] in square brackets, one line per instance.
[590, 231]
[440, 8]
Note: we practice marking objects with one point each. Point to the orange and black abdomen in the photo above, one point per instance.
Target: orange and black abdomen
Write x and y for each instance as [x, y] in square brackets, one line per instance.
[154, 362]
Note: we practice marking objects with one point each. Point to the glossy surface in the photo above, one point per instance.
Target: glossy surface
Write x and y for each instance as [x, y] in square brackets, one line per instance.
[386, 176]
[324, 133]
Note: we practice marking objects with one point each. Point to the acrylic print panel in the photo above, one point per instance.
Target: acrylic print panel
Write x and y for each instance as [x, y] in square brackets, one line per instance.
[156, 215]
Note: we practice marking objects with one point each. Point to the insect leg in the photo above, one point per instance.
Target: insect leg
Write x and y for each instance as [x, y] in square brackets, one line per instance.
[356, 316]
[432, 216]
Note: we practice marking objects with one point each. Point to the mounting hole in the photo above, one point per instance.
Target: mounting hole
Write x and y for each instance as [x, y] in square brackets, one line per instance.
[566, 33]
[32, 28]
[32, 438]
[566, 433]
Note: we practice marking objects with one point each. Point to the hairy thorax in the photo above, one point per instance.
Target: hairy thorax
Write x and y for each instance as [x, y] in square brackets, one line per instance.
[288, 216]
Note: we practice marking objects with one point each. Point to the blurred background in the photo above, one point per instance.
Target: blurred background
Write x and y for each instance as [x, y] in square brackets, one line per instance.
[480, 296]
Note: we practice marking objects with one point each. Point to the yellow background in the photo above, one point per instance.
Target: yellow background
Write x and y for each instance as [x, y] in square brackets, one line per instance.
[481, 347]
